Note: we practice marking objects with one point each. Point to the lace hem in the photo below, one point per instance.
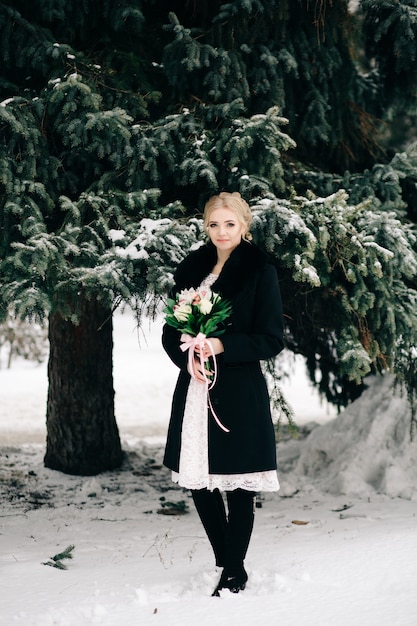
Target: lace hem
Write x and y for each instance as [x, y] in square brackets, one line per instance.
[256, 481]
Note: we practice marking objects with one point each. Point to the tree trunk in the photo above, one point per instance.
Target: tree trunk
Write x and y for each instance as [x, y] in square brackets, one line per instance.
[82, 435]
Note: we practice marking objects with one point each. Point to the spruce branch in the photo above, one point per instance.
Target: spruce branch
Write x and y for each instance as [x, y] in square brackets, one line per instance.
[57, 560]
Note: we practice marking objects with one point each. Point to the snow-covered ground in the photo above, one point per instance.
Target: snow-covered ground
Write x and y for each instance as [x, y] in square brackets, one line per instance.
[336, 546]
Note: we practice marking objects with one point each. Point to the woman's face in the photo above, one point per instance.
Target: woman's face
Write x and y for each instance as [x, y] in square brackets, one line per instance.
[224, 229]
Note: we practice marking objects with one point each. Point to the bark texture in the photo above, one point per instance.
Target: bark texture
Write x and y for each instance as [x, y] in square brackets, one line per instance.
[82, 434]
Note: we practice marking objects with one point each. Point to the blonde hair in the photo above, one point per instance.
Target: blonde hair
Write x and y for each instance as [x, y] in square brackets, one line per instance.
[234, 202]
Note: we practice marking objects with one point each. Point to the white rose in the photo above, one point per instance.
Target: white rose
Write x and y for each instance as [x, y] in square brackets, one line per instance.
[182, 311]
[205, 306]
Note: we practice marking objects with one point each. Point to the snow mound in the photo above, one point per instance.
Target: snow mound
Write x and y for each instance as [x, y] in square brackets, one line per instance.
[367, 449]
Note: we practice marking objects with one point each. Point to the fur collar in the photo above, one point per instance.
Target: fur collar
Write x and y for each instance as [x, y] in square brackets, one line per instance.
[244, 262]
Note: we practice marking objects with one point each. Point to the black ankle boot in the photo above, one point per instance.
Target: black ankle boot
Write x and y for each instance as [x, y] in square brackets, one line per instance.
[233, 580]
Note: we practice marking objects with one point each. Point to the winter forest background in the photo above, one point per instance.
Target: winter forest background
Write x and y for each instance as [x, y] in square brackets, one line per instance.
[119, 119]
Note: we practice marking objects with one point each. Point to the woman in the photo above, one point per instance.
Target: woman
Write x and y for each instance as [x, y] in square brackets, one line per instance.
[204, 457]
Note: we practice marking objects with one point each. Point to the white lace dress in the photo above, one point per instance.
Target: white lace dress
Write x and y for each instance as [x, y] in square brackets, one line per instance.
[194, 468]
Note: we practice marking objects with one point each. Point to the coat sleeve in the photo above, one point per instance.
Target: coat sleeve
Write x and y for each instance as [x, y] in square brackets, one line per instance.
[265, 338]
[171, 343]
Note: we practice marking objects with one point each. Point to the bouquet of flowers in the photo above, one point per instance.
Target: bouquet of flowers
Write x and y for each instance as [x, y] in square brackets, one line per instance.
[198, 311]
[198, 314]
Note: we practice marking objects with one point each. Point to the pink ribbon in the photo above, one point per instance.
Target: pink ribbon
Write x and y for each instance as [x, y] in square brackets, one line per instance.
[190, 343]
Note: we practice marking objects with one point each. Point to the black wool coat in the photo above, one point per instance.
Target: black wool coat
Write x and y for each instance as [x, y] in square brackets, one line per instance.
[254, 332]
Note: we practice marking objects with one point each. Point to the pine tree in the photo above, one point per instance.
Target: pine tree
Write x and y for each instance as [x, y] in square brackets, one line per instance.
[66, 152]
[119, 119]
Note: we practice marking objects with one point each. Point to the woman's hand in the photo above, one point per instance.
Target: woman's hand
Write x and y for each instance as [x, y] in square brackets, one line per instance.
[216, 347]
[200, 372]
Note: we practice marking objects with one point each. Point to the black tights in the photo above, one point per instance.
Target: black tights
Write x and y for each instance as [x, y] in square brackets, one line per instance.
[229, 535]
